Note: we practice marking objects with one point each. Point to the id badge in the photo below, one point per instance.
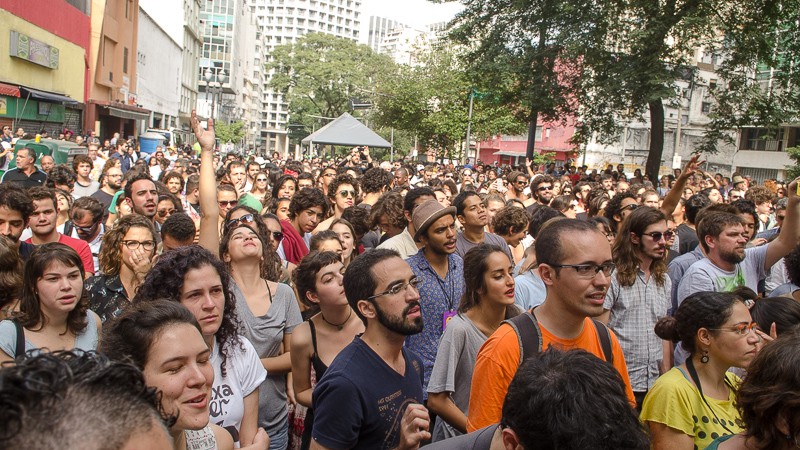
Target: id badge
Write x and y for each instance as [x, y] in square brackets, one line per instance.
[446, 316]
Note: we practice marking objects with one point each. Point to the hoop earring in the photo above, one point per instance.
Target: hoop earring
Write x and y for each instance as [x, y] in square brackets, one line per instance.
[704, 358]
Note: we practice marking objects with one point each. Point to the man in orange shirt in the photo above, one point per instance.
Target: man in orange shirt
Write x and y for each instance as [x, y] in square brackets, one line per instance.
[575, 264]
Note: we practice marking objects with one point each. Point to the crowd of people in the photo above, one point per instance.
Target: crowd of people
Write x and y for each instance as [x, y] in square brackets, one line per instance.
[212, 301]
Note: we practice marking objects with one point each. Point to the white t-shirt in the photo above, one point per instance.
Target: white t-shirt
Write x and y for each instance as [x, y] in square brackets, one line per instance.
[244, 374]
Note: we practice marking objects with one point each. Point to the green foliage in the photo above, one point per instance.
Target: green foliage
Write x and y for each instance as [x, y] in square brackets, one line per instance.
[234, 132]
[320, 74]
[793, 172]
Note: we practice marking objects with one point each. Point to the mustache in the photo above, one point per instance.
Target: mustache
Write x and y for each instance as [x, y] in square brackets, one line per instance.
[410, 306]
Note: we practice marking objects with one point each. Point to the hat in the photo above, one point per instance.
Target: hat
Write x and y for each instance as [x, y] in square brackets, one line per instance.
[738, 179]
[260, 160]
[420, 167]
[425, 214]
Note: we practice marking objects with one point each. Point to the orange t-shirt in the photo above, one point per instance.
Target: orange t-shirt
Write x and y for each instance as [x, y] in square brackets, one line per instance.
[499, 358]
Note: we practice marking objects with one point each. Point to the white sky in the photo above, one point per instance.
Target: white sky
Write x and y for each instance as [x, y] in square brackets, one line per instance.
[410, 12]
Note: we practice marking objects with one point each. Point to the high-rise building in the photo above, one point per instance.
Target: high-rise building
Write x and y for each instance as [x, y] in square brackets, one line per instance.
[192, 48]
[379, 27]
[283, 22]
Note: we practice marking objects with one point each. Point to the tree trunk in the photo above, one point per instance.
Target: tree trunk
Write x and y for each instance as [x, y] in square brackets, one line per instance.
[531, 135]
[656, 140]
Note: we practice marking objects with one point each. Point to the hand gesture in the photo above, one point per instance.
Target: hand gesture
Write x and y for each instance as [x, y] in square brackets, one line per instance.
[692, 166]
[414, 427]
[206, 138]
[140, 261]
[791, 190]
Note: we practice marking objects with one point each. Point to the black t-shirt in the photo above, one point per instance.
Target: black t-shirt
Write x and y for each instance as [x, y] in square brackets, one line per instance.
[687, 239]
[359, 402]
[477, 440]
[105, 199]
[21, 179]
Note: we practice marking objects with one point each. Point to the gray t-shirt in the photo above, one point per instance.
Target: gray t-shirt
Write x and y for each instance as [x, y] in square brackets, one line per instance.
[266, 334]
[452, 371]
[463, 245]
[86, 340]
[705, 276]
[85, 191]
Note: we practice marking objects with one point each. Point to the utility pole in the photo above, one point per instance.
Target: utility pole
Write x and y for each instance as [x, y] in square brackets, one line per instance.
[469, 125]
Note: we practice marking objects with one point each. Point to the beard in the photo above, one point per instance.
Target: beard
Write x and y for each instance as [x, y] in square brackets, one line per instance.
[732, 257]
[398, 324]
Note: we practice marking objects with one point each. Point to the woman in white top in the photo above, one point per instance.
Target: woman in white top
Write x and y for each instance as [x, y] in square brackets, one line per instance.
[163, 339]
[53, 307]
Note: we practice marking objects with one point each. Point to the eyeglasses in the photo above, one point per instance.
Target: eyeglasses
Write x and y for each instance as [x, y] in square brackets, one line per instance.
[329, 174]
[165, 212]
[345, 193]
[629, 207]
[261, 179]
[521, 182]
[277, 235]
[227, 203]
[398, 288]
[545, 188]
[88, 229]
[742, 329]
[589, 270]
[657, 235]
[133, 245]
[245, 219]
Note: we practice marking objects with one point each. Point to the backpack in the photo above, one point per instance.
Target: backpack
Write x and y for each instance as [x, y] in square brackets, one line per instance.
[68, 228]
[530, 336]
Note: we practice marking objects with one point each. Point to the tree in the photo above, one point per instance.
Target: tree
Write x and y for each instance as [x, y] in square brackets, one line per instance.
[320, 75]
[431, 100]
[234, 132]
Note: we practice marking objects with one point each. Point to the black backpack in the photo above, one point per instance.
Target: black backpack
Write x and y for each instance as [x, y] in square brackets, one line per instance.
[530, 336]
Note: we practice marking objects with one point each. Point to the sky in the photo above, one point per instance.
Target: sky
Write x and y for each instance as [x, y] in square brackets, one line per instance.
[410, 12]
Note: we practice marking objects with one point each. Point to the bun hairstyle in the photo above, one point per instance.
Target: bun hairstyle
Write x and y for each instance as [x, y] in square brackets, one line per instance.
[700, 310]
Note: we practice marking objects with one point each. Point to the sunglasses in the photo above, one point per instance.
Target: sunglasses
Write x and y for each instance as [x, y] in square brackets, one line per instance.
[545, 188]
[244, 220]
[277, 235]
[165, 212]
[88, 229]
[657, 235]
[630, 207]
[261, 179]
[227, 203]
[345, 193]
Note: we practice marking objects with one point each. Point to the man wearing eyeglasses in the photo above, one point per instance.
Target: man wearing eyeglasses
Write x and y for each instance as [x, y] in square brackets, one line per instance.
[43, 226]
[541, 192]
[619, 207]
[575, 265]
[517, 182]
[639, 296]
[371, 394]
[86, 218]
[26, 175]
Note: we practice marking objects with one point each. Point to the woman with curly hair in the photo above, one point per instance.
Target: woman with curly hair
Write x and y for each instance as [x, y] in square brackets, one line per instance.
[769, 400]
[693, 404]
[511, 224]
[195, 278]
[10, 277]
[488, 300]
[53, 308]
[269, 313]
[126, 255]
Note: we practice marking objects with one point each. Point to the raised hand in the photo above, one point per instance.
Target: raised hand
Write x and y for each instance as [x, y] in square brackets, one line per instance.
[205, 137]
[692, 166]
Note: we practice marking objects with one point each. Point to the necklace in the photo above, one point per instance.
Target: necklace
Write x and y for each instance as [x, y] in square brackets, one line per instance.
[338, 326]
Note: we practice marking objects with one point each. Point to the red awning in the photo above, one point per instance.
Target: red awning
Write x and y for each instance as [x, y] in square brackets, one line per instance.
[9, 90]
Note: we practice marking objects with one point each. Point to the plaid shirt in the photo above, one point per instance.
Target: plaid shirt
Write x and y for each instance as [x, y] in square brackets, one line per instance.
[634, 312]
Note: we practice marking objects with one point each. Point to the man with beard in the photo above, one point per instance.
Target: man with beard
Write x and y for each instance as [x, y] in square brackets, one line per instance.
[15, 210]
[43, 226]
[110, 184]
[441, 273]
[142, 196]
[575, 265]
[640, 295]
[370, 395]
[728, 264]
[471, 212]
[541, 192]
[517, 182]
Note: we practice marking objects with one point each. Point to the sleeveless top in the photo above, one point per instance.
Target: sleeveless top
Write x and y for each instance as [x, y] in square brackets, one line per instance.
[203, 439]
[316, 362]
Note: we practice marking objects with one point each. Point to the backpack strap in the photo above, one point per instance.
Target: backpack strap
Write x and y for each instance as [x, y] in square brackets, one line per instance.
[605, 340]
[68, 227]
[19, 350]
[528, 334]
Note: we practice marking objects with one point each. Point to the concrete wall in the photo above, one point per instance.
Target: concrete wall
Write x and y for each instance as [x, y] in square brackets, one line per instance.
[158, 73]
[167, 14]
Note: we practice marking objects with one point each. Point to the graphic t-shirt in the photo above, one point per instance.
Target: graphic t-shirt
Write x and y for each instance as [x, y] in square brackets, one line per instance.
[359, 402]
[674, 401]
[704, 276]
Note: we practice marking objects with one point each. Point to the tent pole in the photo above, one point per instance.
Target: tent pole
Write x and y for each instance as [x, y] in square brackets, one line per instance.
[391, 149]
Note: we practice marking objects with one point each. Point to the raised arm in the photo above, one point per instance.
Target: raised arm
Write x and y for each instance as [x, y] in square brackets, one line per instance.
[787, 238]
[674, 195]
[209, 224]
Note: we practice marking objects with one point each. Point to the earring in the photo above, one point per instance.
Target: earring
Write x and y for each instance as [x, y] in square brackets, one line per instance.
[704, 358]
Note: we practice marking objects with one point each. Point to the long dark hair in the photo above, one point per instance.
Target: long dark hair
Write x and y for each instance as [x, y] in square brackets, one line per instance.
[165, 281]
[271, 264]
[624, 249]
[30, 308]
[474, 269]
[709, 310]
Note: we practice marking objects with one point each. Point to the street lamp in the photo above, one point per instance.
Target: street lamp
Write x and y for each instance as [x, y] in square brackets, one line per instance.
[220, 77]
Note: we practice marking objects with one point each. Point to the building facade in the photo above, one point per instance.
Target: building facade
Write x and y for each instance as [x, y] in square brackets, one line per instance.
[158, 75]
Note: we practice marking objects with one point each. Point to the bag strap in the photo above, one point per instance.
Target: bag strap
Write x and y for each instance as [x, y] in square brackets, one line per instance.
[68, 227]
[605, 340]
[528, 334]
[19, 351]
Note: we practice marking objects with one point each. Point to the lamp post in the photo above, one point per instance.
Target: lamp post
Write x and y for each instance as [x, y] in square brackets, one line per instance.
[220, 77]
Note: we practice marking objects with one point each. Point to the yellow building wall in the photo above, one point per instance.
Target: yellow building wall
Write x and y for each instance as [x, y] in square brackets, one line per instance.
[67, 79]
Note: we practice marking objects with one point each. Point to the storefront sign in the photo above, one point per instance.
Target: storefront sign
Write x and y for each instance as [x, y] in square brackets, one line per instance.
[29, 49]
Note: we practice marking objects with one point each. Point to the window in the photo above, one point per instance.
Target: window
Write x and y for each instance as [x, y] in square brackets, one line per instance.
[705, 107]
[125, 60]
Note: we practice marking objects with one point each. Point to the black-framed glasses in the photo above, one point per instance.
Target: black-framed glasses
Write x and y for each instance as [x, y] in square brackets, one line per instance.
[345, 193]
[657, 235]
[227, 203]
[277, 235]
[629, 207]
[589, 270]
[244, 220]
[133, 245]
[398, 288]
